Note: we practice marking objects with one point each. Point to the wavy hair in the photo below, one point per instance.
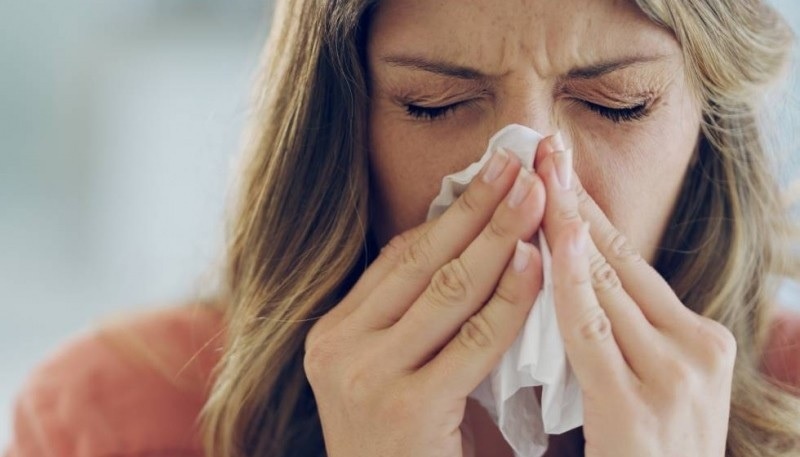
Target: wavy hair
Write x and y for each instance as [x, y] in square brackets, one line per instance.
[295, 249]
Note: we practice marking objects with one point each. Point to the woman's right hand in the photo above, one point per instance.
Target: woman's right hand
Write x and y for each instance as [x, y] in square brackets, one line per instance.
[392, 364]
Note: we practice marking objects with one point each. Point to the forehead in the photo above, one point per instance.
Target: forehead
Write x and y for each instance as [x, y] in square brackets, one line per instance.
[500, 35]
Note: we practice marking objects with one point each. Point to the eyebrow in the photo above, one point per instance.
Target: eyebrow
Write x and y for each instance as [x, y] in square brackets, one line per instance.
[435, 66]
[463, 72]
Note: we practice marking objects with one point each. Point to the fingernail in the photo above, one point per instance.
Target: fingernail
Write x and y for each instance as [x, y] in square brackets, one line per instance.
[522, 187]
[522, 257]
[496, 165]
[580, 239]
[563, 161]
[558, 142]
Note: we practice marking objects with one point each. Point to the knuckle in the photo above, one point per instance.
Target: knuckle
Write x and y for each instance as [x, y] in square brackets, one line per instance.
[315, 332]
[476, 334]
[397, 245]
[468, 202]
[718, 343]
[318, 356]
[603, 275]
[450, 284]
[679, 377]
[507, 294]
[596, 259]
[568, 214]
[594, 326]
[571, 280]
[621, 248]
[311, 363]
[580, 192]
[416, 258]
[358, 383]
[496, 230]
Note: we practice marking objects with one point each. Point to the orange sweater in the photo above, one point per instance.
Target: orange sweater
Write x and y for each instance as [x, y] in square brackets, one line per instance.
[100, 395]
[90, 399]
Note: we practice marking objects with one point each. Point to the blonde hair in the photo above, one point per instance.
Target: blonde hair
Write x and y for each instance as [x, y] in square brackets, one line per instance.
[299, 236]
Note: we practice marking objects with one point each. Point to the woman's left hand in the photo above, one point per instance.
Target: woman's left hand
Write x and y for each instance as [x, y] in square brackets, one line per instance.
[655, 376]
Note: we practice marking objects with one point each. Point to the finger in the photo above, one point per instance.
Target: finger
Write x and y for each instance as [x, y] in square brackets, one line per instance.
[447, 237]
[461, 287]
[548, 146]
[588, 335]
[642, 282]
[482, 340]
[634, 334]
[701, 338]
[387, 259]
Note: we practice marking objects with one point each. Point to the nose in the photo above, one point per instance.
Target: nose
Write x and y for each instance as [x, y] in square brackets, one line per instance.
[531, 107]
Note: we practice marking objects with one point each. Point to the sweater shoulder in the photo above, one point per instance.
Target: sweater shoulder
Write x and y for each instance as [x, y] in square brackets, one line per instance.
[133, 386]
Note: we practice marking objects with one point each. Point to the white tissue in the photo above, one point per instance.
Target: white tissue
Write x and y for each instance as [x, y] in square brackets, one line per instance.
[537, 357]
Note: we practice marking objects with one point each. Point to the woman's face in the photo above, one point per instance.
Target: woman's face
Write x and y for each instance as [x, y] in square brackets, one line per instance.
[446, 74]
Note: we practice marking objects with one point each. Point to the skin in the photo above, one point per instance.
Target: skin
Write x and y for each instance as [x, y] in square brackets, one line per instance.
[392, 365]
[633, 170]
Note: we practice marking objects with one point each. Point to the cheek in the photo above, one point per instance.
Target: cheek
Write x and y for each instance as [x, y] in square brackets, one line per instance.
[407, 165]
[635, 174]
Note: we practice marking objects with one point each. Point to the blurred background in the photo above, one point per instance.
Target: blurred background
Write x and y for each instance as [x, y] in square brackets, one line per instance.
[119, 122]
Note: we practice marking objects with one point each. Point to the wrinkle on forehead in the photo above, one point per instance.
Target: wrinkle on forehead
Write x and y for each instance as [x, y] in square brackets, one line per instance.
[546, 37]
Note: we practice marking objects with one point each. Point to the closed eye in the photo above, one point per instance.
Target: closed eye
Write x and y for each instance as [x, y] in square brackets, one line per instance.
[618, 115]
[431, 113]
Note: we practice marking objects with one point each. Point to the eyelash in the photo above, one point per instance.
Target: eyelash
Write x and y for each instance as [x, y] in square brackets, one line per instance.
[618, 115]
[432, 113]
[615, 115]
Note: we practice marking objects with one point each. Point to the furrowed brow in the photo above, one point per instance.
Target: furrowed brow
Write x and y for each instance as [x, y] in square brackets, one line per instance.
[436, 66]
[454, 70]
[599, 69]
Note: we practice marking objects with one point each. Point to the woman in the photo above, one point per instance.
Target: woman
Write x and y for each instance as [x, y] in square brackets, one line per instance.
[330, 347]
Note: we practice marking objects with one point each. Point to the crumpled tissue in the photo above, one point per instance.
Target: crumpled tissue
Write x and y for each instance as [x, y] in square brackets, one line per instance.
[537, 357]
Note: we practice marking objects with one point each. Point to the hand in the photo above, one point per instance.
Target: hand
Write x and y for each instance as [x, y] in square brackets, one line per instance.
[655, 376]
[392, 364]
